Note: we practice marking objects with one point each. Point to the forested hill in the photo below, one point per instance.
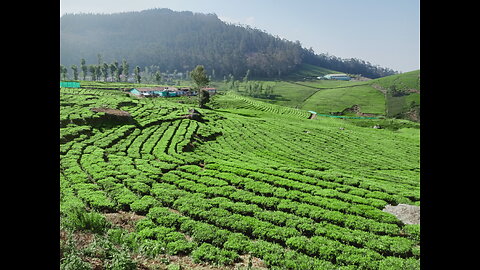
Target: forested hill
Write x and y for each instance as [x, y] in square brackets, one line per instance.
[181, 40]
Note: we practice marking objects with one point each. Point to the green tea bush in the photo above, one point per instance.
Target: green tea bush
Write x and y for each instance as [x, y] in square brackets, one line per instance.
[142, 205]
[180, 247]
[208, 253]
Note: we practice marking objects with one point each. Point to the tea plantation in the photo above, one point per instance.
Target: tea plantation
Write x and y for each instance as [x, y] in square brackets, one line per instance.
[245, 180]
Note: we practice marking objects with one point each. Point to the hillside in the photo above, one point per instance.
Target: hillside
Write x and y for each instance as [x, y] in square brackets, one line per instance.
[251, 183]
[167, 40]
[402, 94]
[394, 96]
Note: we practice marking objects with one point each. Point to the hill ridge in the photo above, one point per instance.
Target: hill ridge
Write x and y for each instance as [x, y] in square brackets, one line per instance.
[169, 40]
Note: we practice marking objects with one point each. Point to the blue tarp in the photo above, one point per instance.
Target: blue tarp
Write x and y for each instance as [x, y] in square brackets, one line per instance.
[70, 84]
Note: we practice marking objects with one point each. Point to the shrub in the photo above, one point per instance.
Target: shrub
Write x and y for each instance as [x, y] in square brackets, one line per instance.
[238, 243]
[180, 247]
[121, 261]
[72, 261]
[78, 219]
[412, 231]
[208, 253]
[143, 205]
[152, 248]
[391, 263]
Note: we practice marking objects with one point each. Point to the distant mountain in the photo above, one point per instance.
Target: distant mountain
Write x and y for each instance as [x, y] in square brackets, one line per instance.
[179, 41]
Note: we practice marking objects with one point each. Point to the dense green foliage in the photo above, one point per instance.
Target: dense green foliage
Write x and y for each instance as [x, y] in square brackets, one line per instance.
[182, 40]
[251, 178]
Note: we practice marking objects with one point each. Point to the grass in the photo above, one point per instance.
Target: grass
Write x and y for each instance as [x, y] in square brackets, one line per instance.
[369, 99]
[407, 80]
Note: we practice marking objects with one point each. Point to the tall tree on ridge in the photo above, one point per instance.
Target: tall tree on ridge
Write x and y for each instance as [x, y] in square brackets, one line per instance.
[138, 78]
[93, 71]
[125, 69]
[75, 72]
[84, 68]
[201, 80]
[105, 71]
[113, 69]
[158, 77]
[63, 72]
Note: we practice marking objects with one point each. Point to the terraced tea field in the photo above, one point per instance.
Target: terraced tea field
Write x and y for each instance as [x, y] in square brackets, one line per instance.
[249, 181]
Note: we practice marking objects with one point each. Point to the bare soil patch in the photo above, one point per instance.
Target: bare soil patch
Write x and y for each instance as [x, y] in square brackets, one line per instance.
[408, 214]
[125, 220]
[111, 111]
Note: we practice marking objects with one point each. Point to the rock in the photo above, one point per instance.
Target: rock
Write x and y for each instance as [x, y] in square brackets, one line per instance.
[408, 214]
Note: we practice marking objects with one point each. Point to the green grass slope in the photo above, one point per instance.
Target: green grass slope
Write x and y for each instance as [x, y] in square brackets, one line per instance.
[404, 81]
[402, 94]
[370, 100]
[395, 96]
[247, 182]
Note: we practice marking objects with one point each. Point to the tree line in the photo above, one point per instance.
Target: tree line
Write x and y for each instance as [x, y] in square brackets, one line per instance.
[114, 71]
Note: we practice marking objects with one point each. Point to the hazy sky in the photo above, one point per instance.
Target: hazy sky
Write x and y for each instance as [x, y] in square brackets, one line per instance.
[382, 32]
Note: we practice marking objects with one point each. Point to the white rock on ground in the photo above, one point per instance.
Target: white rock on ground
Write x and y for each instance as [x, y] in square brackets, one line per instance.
[408, 214]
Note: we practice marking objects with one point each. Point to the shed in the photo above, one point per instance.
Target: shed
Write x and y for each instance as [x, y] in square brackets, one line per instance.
[135, 92]
[343, 77]
[147, 91]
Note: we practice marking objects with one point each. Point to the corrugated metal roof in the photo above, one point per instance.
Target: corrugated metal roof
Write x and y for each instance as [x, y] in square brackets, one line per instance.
[340, 74]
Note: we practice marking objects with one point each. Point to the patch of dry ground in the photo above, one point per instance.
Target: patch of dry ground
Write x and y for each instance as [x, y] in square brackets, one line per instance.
[408, 214]
[125, 220]
[111, 111]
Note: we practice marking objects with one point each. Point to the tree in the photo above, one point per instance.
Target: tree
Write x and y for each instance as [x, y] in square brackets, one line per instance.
[93, 71]
[98, 71]
[99, 59]
[245, 79]
[118, 71]
[63, 72]
[199, 77]
[75, 72]
[84, 68]
[158, 77]
[113, 69]
[125, 69]
[201, 80]
[203, 98]
[137, 74]
[105, 71]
